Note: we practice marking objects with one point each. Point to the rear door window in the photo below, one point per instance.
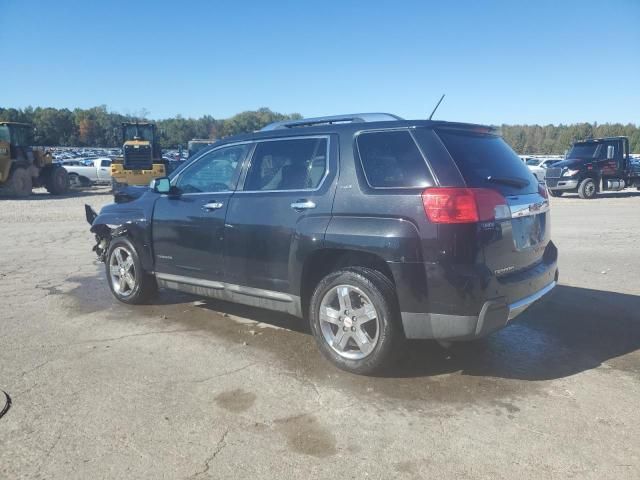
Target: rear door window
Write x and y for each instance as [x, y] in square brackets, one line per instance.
[392, 160]
[486, 161]
[288, 164]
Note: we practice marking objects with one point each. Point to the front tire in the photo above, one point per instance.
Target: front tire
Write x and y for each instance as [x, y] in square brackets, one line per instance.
[127, 280]
[556, 193]
[57, 181]
[354, 318]
[587, 188]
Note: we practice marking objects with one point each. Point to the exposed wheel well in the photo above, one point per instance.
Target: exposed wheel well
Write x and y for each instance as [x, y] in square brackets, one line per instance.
[325, 261]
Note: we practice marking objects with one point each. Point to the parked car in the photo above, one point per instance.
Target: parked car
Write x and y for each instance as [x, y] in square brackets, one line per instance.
[98, 172]
[534, 166]
[539, 165]
[373, 228]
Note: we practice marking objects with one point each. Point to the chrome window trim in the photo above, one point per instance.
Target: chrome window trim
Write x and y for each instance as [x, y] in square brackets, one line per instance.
[393, 129]
[199, 158]
[294, 137]
[221, 192]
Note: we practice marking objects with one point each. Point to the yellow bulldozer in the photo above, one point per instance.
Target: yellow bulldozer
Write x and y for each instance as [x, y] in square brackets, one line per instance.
[23, 167]
[141, 159]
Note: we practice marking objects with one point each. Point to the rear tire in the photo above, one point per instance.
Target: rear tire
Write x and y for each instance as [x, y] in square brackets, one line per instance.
[19, 184]
[354, 318]
[128, 282]
[57, 181]
[587, 188]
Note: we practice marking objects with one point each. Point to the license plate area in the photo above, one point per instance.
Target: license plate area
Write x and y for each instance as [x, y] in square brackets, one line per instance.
[528, 231]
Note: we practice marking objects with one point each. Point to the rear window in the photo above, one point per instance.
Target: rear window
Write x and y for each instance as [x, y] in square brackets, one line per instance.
[483, 157]
[392, 160]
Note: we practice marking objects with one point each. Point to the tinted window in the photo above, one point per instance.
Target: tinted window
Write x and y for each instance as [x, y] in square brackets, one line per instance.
[105, 163]
[392, 160]
[214, 172]
[296, 164]
[483, 157]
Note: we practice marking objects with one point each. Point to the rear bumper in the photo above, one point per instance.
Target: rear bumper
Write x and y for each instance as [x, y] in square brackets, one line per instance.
[495, 314]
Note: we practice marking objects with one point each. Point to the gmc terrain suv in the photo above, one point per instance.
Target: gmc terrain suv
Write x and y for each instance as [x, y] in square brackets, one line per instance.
[373, 228]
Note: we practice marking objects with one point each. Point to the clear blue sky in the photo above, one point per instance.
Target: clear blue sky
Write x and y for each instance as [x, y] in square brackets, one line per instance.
[498, 62]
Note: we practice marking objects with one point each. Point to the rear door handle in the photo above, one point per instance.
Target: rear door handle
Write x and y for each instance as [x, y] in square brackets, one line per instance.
[212, 206]
[303, 205]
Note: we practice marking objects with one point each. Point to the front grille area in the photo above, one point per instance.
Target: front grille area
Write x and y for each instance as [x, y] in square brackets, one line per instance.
[552, 183]
[138, 158]
[553, 172]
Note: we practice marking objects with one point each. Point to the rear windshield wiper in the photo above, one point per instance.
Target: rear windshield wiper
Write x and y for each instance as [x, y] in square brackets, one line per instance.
[511, 181]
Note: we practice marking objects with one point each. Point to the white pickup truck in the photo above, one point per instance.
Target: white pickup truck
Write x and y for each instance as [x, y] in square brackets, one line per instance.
[98, 171]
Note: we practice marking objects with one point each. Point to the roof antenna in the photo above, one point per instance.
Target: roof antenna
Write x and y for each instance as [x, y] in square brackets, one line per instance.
[437, 105]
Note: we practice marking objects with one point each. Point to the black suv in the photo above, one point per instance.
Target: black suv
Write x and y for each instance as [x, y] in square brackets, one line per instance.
[373, 228]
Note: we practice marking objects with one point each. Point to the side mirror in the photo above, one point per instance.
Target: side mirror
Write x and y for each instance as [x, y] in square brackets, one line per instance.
[160, 185]
[611, 151]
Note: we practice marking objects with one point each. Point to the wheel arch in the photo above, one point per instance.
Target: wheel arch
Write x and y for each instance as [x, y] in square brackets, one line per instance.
[391, 246]
[323, 261]
[108, 227]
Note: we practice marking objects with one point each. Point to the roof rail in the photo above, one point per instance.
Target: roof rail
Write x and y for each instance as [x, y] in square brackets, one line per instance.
[346, 118]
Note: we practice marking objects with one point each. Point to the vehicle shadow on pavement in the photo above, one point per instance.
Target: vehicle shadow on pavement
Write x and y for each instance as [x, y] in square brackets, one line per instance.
[574, 330]
[571, 331]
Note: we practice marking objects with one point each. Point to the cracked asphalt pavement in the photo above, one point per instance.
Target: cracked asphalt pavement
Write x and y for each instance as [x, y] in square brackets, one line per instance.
[194, 388]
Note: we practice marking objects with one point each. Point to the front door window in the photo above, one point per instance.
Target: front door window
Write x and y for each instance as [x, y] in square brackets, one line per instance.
[216, 171]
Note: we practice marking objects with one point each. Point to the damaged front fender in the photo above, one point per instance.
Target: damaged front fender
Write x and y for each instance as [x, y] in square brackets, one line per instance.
[116, 220]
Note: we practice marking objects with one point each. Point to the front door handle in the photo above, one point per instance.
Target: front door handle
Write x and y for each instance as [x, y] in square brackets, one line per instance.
[212, 206]
[303, 205]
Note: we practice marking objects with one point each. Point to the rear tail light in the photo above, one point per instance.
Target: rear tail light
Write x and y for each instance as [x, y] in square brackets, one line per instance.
[464, 205]
[542, 190]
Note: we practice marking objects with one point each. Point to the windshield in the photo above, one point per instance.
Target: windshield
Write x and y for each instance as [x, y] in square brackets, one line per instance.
[4, 133]
[139, 132]
[533, 162]
[586, 150]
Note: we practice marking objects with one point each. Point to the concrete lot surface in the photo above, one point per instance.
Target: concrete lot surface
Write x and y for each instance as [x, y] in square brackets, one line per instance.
[192, 388]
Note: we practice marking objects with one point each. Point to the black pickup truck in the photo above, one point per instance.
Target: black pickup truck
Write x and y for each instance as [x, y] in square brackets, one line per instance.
[592, 166]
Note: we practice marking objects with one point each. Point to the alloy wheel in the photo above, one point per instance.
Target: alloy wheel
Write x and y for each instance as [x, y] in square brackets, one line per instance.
[349, 322]
[122, 272]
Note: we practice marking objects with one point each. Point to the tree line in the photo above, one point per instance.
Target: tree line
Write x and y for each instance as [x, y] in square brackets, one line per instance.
[97, 127]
